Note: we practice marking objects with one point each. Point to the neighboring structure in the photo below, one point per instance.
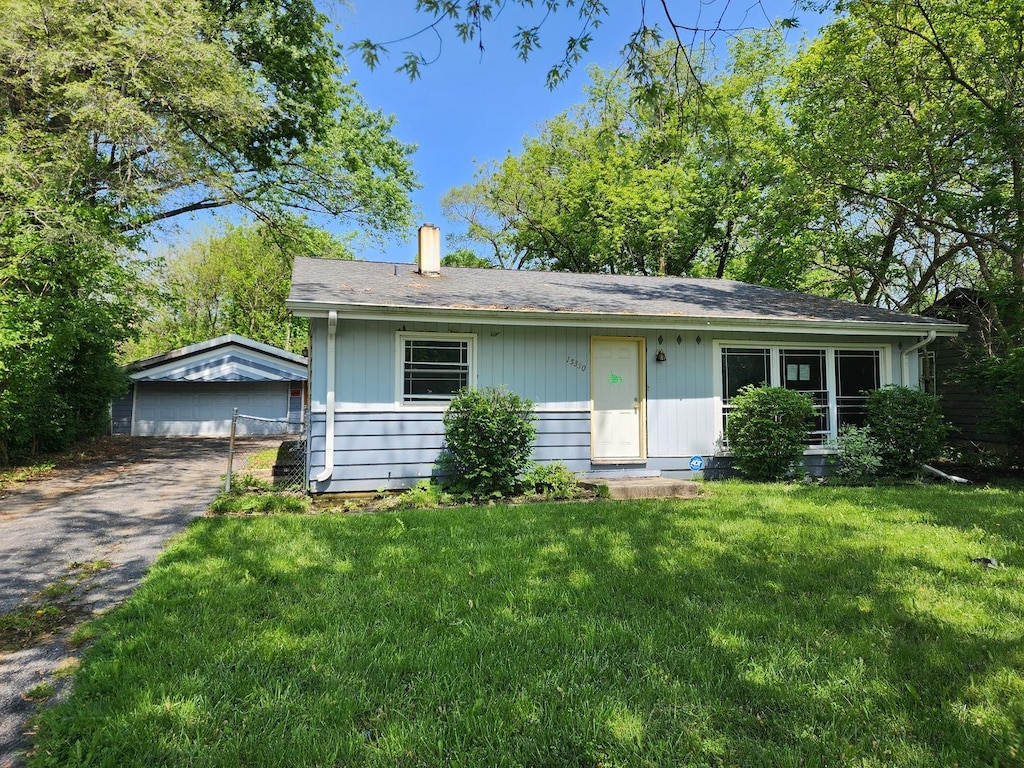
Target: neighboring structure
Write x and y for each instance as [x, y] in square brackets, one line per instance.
[948, 369]
[193, 390]
[629, 375]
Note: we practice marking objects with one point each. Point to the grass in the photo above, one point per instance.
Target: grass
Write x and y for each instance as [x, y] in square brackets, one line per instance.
[14, 475]
[757, 626]
[52, 609]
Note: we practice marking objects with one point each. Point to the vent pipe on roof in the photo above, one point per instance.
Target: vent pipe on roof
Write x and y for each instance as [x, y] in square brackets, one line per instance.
[429, 258]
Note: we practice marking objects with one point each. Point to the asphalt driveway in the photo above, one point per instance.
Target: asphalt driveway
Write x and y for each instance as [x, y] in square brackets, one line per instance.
[98, 527]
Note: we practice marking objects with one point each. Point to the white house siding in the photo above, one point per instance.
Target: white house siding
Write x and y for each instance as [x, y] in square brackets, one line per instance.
[380, 444]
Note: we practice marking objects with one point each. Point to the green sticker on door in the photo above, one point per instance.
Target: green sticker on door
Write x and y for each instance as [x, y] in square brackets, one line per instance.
[614, 378]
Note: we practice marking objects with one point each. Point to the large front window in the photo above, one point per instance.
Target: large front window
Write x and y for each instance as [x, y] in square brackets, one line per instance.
[434, 366]
[836, 380]
[742, 367]
[857, 373]
[804, 371]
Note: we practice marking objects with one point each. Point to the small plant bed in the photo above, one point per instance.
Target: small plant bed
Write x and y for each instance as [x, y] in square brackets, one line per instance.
[759, 625]
[252, 496]
[53, 609]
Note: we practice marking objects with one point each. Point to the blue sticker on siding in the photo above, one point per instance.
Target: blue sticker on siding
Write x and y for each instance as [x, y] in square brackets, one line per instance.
[696, 463]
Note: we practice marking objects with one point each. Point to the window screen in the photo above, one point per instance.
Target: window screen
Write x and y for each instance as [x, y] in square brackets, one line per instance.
[857, 373]
[740, 368]
[804, 370]
[434, 368]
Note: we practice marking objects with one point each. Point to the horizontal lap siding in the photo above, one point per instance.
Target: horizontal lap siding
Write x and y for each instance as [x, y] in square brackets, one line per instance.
[381, 444]
[389, 450]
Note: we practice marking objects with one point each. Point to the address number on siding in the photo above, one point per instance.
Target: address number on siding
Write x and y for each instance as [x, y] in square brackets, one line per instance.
[575, 363]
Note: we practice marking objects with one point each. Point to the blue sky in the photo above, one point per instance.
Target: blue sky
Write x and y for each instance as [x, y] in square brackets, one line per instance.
[470, 107]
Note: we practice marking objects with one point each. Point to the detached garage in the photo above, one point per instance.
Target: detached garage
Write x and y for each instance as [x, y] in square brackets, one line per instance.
[193, 390]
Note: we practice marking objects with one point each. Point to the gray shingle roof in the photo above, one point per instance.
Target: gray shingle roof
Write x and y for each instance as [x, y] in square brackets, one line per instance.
[321, 284]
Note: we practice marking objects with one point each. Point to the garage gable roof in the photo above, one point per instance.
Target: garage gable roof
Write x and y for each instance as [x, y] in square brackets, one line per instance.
[226, 358]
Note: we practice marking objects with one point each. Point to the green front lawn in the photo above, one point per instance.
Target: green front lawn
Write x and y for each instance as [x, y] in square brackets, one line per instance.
[759, 626]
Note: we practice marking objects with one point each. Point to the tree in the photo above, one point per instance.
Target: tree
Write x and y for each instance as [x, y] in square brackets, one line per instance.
[650, 181]
[908, 122]
[235, 281]
[487, 225]
[469, 21]
[166, 108]
[464, 257]
[116, 116]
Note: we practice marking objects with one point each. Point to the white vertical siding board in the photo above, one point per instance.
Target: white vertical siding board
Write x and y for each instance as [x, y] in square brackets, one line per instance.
[317, 373]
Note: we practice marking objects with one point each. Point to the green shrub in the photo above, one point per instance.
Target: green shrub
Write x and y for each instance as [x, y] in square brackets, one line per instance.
[859, 455]
[1003, 378]
[246, 483]
[488, 440]
[908, 425]
[767, 430]
[553, 481]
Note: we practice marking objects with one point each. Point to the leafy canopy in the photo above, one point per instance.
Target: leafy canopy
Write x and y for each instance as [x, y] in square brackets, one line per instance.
[115, 116]
[234, 281]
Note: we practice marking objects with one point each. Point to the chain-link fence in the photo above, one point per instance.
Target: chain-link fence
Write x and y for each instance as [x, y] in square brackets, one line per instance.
[266, 454]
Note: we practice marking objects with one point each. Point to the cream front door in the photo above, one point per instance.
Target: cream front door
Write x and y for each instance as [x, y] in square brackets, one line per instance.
[618, 409]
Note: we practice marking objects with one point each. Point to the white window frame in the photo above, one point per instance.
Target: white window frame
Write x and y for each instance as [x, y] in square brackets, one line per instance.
[441, 403]
[775, 373]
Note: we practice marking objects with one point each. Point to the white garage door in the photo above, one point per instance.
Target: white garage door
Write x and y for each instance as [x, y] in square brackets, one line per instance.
[204, 409]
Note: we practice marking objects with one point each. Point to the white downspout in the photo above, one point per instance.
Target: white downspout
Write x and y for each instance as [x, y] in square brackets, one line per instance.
[332, 330]
[913, 348]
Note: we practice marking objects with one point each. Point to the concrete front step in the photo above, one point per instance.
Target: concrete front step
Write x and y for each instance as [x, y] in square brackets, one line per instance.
[644, 487]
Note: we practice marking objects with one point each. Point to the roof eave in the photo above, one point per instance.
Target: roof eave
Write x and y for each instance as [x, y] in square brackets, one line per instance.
[209, 344]
[347, 311]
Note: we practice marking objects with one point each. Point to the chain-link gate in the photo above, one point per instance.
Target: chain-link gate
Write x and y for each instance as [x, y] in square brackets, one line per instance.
[266, 454]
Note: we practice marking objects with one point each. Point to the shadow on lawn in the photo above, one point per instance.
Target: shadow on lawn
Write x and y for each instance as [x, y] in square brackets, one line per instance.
[564, 635]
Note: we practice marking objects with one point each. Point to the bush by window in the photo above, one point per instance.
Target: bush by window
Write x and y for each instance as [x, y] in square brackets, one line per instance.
[767, 430]
[488, 440]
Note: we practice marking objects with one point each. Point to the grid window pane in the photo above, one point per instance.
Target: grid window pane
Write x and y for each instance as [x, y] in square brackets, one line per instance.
[434, 369]
[804, 370]
[857, 373]
[740, 368]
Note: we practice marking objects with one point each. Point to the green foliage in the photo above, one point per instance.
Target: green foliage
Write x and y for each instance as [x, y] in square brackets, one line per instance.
[767, 430]
[232, 282]
[117, 115]
[65, 302]
[908, 425]
[488, 440]
[628, 183]
[1004, 380]
[258, 498]
[464, 257]
[906, 123]
[426, 494]
[859, 455]
[552, 481]
[468, 24]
